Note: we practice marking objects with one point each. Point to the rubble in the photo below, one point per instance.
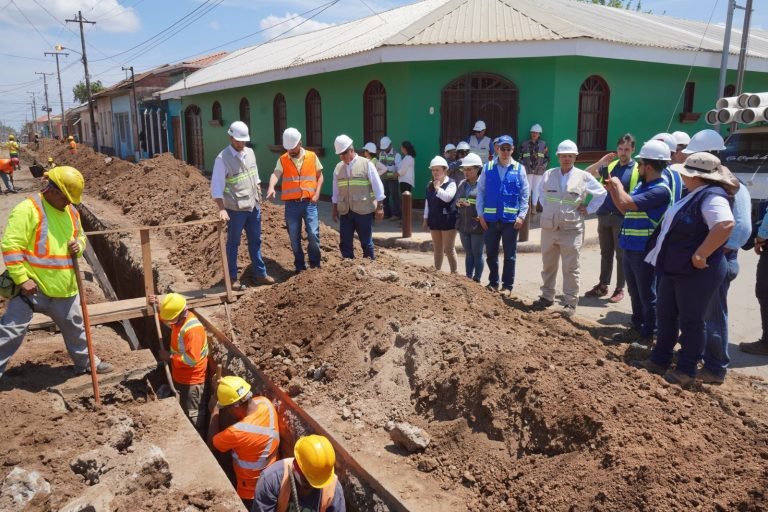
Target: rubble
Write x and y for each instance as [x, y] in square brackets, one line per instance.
[410, 437]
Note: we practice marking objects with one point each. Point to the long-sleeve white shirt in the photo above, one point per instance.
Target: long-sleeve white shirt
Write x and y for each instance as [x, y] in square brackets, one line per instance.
[219, 175]
[445, 194]
[373, 177]
[406, 170]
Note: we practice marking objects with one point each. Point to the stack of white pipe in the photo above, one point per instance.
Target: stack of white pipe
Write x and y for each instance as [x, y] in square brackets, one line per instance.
[746, 108]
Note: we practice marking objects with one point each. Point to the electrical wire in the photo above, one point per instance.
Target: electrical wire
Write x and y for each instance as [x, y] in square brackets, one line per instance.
[32, 24]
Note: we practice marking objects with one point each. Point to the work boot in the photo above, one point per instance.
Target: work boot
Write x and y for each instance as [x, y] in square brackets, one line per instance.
[707, 377]
[569, 311]
[599, 290]
[650, 366]
[238, 286]
[542, 303]
[492, 288]
[618, 295]
[264, 280]
[626, 336]
[101, 368]
[758, 347]
[681, 379]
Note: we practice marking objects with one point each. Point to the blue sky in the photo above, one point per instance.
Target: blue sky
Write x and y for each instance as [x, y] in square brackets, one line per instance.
[31, 27]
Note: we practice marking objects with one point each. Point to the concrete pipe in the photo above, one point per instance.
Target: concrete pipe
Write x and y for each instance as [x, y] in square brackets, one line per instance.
[711, 117]
[758, 100]
[750, 115]
[725, 115]
[742, 100]
[729, 102]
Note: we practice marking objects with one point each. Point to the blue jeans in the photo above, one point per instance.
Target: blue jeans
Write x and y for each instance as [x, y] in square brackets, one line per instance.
[251, 222]
[682, 298]
[6, 180]
[392, 201]
[716, 358]
[295, 211]
[506, 234]
[641, 284]
[473, 249]
[352, 223]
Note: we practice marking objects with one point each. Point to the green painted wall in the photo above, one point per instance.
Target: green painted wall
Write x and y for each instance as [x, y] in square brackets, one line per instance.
[642, 101]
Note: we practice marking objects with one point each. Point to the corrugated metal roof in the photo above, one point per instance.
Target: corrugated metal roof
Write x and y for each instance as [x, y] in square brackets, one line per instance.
[438, 22]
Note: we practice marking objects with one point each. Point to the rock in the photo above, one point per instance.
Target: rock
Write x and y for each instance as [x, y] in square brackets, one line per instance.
[346, 413]
[22, 486]
[357, 414]
[121, 433]
[389, 276]
[427, 465]
[601, 362]
[95, 499]
[90, 465]
[155, 472]
[469, 477]
[295, 388]
[389, 425]
[380, 347]
[410, 437]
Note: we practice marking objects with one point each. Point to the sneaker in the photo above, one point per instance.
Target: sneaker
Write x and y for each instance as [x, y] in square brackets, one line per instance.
[758, 347]
[569, 311]
[264, 280]
[101, 368]
[650, 366]
[707, 377]
[542, 303]
[618, 295]
[506, 292]
[238, 286]
[626, 336]
[599, 290]
[677, 377]
[492, 287]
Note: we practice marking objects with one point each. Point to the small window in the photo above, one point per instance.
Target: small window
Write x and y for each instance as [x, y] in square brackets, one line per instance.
[314, 118]
[245, 112]
[280, 115]
[216, 111]
[374, 112]
[690, 88]
[729, 91]
[594, 98]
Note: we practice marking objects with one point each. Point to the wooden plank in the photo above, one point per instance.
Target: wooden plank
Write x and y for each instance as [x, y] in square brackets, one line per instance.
[146, 263]
[109, 292]
[130, 229]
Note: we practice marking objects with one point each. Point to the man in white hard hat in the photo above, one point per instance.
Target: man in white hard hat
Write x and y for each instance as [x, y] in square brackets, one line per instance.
[643, 210]
[357, 193]
[565, 192]
[682, 139]
[671, 176]
[449, 153]
[454, 163]
[534, 155]
[302, 175]
[390, 159]
[479, 143]
[235, 187]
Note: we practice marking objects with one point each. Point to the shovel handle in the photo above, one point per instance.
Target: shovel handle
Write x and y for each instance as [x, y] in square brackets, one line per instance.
[87, 322]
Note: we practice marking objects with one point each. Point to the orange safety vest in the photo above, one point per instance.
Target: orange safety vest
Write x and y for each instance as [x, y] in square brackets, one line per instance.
[6, 165]
[299, 184]
[254, 441]
[40, 256]
[284, 497]
[189, 351]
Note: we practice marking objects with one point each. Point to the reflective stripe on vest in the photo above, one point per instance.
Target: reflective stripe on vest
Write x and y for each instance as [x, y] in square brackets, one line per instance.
[40, 257]
[553, 199]
[239, 177]
[297, 181]
[639, 226]
[634, 178]
[181, 349]
[502, 193]
[355, 190]
[271, 431]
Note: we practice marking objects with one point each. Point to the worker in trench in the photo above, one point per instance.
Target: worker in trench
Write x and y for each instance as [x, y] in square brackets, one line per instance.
[42, 236]
[247, 426]
[188, 356]
[305, 482]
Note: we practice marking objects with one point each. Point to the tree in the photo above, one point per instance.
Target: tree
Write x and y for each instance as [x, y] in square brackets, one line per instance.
[80, 92]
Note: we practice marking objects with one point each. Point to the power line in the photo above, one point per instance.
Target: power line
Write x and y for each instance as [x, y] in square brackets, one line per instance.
[30, 22]
[20, 56]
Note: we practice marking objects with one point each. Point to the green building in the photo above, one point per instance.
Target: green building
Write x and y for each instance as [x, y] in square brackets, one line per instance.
[425, 72]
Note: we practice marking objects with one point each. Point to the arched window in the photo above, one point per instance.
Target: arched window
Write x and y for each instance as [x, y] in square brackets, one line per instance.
[245, 112]
[491, 98]
[194, 136]
[280, 117]
[594, 99]
[314, 117]
[374, 112]
[216, 111]
[729, 91]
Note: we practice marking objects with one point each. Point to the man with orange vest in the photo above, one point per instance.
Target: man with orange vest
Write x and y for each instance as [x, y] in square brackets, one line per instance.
[311, 470]
[188, 355]
[6, 173]
[253, 439]
[72, 145]
[42, 236]
[302, 175]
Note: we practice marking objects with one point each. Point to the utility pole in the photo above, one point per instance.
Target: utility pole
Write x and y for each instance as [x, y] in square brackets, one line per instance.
[61, 96]
[726, 49]
[46, 107]
[137, 142]
[34, 112]
[80, 21]
[743, 51]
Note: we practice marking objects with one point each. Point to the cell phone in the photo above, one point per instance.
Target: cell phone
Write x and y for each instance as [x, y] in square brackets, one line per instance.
[604, 173]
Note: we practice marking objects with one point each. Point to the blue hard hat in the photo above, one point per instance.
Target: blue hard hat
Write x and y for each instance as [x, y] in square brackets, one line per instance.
[506, 139]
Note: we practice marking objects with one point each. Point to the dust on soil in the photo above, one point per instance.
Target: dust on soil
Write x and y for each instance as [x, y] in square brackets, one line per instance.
[526, 410]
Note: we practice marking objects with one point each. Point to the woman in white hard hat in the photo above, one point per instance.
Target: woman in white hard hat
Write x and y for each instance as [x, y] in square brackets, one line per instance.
[467, 223]
[440, 214]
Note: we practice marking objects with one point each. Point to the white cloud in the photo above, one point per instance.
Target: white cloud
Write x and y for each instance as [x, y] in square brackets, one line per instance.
[273, 25]
[215, 25]
[109, 15]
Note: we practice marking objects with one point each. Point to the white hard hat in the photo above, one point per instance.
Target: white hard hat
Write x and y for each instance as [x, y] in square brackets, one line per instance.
[536, 128]
[239, 131]
[655, 150]
[449, 147]
[463, 146]
[666, 138]
[385, 142]
[370, 147]
[438, 161]
[705, 140]
[479, 126]
[682, 138]
[471, 160]
[342, 143]
[291, 138]
[567, 147]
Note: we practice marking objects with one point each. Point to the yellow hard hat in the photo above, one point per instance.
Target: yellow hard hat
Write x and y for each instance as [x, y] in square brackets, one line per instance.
[11, 137]
[70, 138]
[50, 159]
[231, 390]
[69, 181]
[315, 456]
[171, 306]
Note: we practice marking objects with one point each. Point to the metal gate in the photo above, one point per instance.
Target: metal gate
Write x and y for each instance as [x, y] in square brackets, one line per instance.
[485, 96]
[194, 136]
